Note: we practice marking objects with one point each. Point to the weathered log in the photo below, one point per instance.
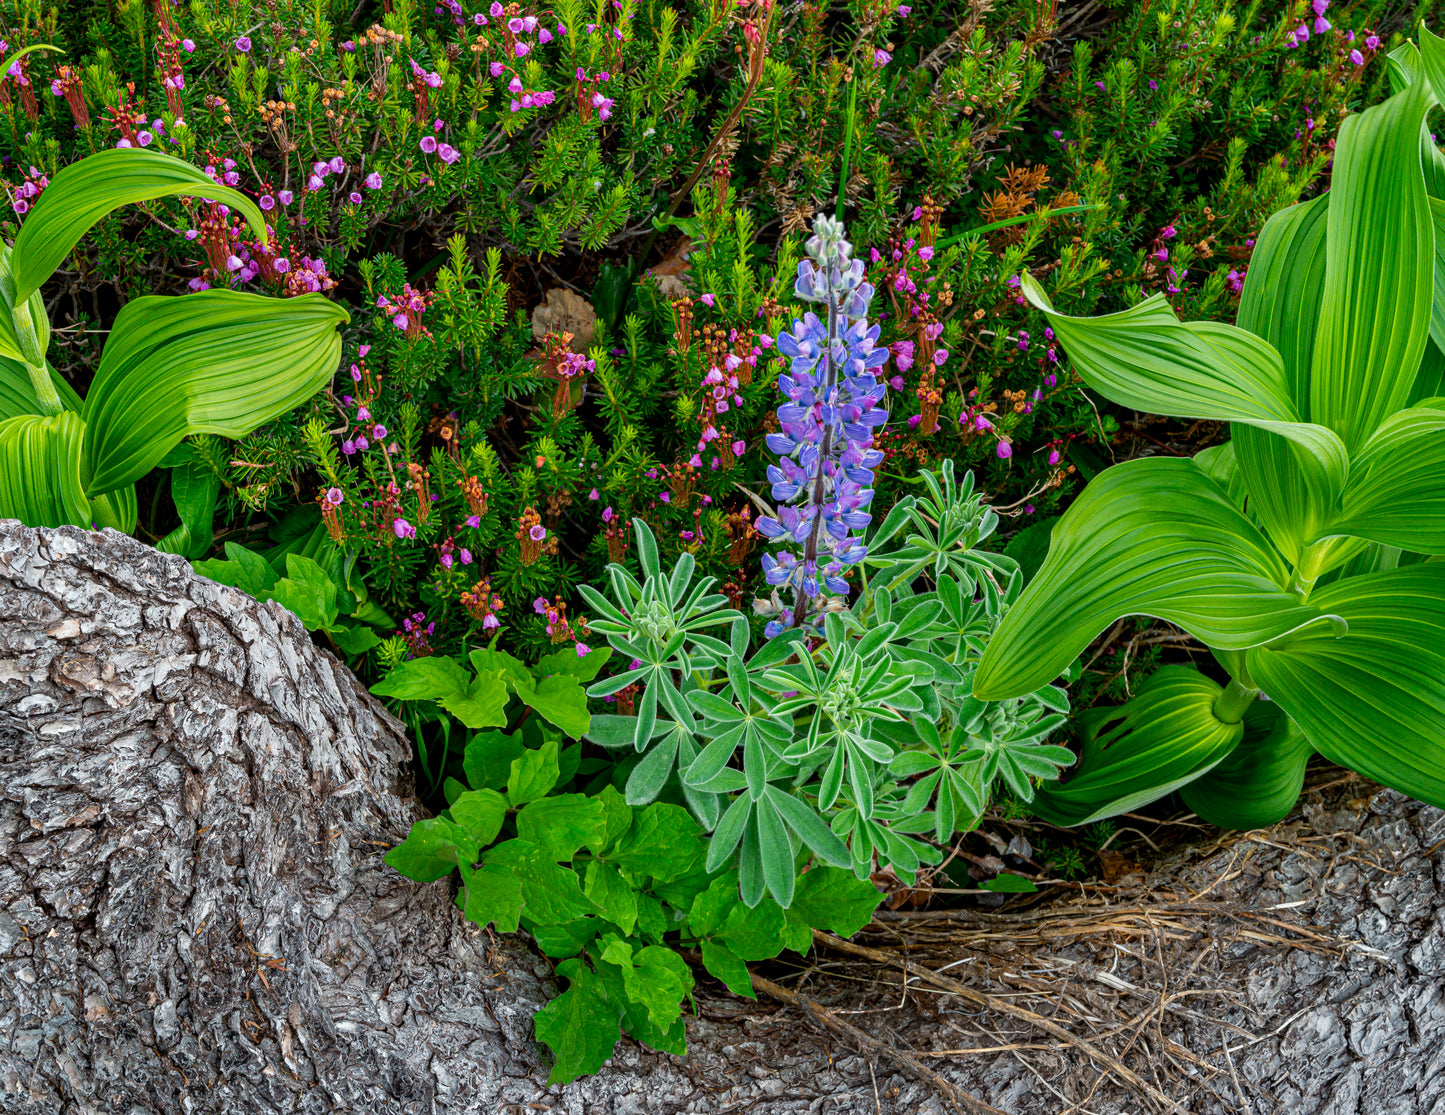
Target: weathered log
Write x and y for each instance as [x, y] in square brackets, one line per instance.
[195, 917]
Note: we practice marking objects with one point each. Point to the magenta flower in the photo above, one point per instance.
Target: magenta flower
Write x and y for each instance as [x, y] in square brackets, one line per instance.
[334, 497]
[428, 144]
[243, 44]
[373, 181]
[537, 533]
[1005, 450]
[403, 529]
[448, 153]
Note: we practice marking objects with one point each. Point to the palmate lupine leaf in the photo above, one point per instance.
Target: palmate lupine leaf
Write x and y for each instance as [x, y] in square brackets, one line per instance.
[1379, 270]
[40, 469]
[218, 362]
[86, 190]
[1164, 738]
[1372, 700]
[1150, 537]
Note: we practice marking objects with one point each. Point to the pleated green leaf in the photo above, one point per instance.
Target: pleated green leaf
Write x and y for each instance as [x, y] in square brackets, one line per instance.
[1150, 537]
[1379, 271]
[1280, 302]
[1147, 359]
[1430, 379]
[218, 362]
[85, 191]
[1259, 781]
[195, 488]
[1163, 738]
[1294, 481]
[1396, 492]
[1372, 700]
[117, 509]
[17, 393]
[40, 470]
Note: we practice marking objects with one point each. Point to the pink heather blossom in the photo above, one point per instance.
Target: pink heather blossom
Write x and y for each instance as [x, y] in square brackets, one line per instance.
[372, 181]
[537, 533]
[403, 529]
[243, 44]
[448, 153]
[428, 144]
[1005, 450]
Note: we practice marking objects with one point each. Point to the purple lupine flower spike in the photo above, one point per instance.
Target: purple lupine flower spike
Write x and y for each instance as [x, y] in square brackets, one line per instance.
[822, 483]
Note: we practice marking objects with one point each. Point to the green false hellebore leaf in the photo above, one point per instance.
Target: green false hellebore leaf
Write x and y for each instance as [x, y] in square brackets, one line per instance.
[1282, 289]
[17, 393]
[40, 470]
[218, 362]
[1372, 700]
[1150, 537]
[1145, 358]
[1395, 495]
[1163, 738]
[1259, 781]
[1379, 271]
[195, 487]
[85, 191]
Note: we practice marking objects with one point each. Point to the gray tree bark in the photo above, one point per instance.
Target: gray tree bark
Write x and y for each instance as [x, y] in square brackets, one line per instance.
[195, 917]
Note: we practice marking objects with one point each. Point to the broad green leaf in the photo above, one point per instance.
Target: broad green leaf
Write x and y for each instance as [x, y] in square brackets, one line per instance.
[653, 977]
[1437, 304]
[40, 470]
[710, 908]
[1396, 492]
[488, 759]
[513, 672]
[117, 509]
[307, 591]
[491, 895]
[664, 843]
[482, 704]
[617, 817]
[432, 850]
[584, 669]
[218, 362]
[1145, 358]
[650, 775]
[480, 812]
[567, 939]
[1149, 537]
[728, 968]
[835, 899]
[1163, 738]
[636, 1021]
[533, 774]
[353, 641]
[606, 887]
[581, 1026]
[551, 894]
[1259, 781]
[1372, 700]
[241, 568]
[83, 192]
[1282, 289]
[1378, 288]
[561, 700]
[424, 679]
[562, 824]
[195, 487]
[754, 933]
[1294, 477]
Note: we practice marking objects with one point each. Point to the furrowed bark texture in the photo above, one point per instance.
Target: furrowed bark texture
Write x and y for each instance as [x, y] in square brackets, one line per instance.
[195, 918]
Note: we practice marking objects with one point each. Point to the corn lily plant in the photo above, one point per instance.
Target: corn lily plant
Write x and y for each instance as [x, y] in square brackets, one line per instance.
[1306, 551]
[216, 362]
